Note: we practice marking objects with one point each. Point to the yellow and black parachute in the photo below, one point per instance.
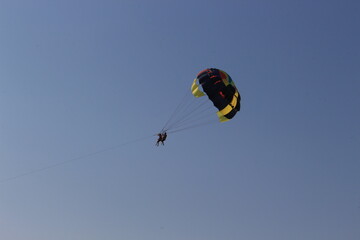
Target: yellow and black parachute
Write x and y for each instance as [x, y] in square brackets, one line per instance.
[220, 89]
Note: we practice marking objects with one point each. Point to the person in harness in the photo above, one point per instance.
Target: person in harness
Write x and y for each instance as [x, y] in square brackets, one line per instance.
[161, 138]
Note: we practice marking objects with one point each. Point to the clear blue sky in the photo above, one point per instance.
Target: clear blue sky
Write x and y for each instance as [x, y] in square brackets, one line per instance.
[77, 77]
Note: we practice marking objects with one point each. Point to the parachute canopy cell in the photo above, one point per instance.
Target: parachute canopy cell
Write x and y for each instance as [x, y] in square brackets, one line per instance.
[220, 89]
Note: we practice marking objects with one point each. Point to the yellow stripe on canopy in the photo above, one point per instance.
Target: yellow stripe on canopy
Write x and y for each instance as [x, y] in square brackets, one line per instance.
[222, 118]
[195, 90]
[231, 105]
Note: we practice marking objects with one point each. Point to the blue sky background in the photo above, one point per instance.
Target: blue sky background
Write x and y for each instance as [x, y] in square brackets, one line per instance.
[78, 77]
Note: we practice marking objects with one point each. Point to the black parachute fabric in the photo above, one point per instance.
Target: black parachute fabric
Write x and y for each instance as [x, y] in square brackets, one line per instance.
[220, 89]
